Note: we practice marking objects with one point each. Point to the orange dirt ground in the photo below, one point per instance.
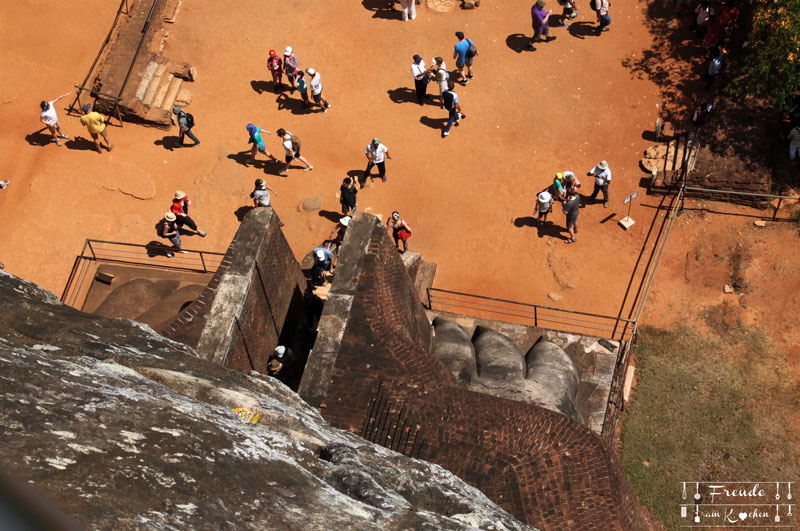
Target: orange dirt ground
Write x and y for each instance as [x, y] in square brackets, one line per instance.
[566, 106]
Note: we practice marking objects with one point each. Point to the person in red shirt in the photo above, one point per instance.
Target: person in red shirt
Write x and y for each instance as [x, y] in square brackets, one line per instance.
[180, 207]
[275, 67]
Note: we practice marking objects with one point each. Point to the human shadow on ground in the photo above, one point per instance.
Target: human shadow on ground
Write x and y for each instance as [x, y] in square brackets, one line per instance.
[269, 166]
[434, 123]
[517, 42]
[242, 211]
[81, 144]
[169, 142]
[330, 215]
[547, 229]
[295, 105]
[155, 248]
[40, 138]
[405, 95]
[582, 29]
[262, 86]
[382, 9]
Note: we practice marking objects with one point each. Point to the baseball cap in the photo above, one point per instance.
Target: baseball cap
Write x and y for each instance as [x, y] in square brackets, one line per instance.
[345, 220]
[280, 350]
[310, 71]
[86, 107]
[321, 254]
[376, 140]
[417, 58]
[272, 53]
[288, 51]
[540, 3]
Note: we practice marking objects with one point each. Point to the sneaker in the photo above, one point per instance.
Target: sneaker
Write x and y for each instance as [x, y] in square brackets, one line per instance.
[322, 110]
[110, 147]
[3, 184]
[383, 178]
[605, 205]
[462, 116]
[65, 137]
[445, 133]
[284, 173]
[58, 142]
[309, 168]
[471, 76]
[563, 24]
[457, 123]
[169, 254]
[202, 233]
[605, 29]
[550, 38]
[327, 105]
[570, 240]
[574, 15]
[181, 251]
[530, 48]
[464, 81]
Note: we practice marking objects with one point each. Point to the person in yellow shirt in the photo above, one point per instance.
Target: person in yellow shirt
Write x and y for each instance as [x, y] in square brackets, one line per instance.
[96, 125]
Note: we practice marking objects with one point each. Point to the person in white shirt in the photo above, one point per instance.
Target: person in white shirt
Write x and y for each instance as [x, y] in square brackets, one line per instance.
[50, 119]
[602, 176]
[441, 75]
[421, 78]
[291, 144]
[315, 84]
[260, 196]
[545, 202]
[376, 154]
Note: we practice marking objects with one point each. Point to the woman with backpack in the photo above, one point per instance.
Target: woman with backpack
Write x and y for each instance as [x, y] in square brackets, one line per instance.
[258, 143]
[291, 144]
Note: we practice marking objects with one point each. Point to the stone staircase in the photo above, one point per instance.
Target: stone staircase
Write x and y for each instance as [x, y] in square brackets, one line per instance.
[158, 91]
[666, 162]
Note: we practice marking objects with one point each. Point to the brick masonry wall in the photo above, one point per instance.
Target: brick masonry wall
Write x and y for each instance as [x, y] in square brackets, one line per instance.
[542, 467]
[259, 259]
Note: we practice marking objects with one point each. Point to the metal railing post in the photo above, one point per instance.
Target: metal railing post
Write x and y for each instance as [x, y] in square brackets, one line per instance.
[202, 260]
[535, 316]
[428, 292]
[91, 248]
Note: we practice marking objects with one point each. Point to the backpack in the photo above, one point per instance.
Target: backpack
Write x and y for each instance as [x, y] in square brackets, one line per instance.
[594, 5]
[295, 143]
[472, 51]
[449, 99]
[189, 120]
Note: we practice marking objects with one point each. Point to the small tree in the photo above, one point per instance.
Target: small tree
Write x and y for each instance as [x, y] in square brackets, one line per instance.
[770, 68]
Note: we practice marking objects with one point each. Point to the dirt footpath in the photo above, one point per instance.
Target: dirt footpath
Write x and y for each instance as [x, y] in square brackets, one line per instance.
[467, 197]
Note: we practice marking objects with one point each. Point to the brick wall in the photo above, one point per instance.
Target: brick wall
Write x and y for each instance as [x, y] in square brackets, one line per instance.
[541, 466]
[238, 320]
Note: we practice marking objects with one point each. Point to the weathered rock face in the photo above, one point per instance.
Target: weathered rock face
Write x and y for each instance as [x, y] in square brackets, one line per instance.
[553, 378]
[453, 347]
[125, 429]
[499, 358]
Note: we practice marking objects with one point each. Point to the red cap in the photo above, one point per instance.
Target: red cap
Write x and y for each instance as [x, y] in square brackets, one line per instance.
[272, 53]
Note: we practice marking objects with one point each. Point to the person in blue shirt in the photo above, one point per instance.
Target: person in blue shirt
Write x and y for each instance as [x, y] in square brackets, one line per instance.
[463, 59]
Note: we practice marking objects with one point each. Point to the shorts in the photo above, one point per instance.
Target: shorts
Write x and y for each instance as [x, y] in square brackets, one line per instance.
[568, 10]
[467, 61]
[318, 98]
[304, 95]
[571, 220]
[101, 133]
[290, 158]
[53, 127]
[262, 148]
[542, 212]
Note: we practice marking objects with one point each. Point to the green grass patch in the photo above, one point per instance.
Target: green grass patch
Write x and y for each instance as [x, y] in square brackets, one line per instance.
[708, 407]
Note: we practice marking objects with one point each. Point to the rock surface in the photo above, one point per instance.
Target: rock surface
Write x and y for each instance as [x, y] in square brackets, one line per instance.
[124, 429]
[453, 347]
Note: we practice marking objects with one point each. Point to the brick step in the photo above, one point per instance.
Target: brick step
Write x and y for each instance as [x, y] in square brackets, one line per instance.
[424, 280]
[147, 77]
[155, 83]
[172, 93]
[162, 91]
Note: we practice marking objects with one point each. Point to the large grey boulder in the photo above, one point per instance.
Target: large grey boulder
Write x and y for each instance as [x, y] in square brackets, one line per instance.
[124, 429]
[499, 359]
[453, 347]
[553, 378]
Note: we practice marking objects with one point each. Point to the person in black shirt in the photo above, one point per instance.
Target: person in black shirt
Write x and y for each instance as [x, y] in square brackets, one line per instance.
[572, 209]
[347, 196]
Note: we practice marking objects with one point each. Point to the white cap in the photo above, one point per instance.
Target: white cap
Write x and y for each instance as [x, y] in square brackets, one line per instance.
[321, 254]
[345, 220]
[288, 51]
[280, 350]
[311, 71]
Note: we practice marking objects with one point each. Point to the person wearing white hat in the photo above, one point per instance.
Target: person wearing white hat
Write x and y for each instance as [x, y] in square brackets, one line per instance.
[602, 176]
[169, 229]
[315, 84]
[291, 65]
[323, 261]
[337, 234]
[544, 204]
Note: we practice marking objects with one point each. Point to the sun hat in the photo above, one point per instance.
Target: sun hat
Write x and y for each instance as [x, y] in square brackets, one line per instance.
[272, 53]
[288, 51]
[180, 194]
[603, 165]
[321, 254]
[86, 107]
[345, 220]
[169, 216]
[310, 71]
[280, 350]
[545, 196]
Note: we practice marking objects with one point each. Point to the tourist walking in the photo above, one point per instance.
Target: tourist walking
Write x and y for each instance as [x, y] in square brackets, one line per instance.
[261, 198]
[275, 67]
[291, 65]
[409, 9]
[185, 124]
[323, 261]
[603, 19]
[540, 21]
[347, 196]
[453, 107]
[291, 145]
[794, 142]
[168, 229]
[602, 177]
[302, 87]
[376, 154]
[421, 78]
[401, 232]
[440, 74]
[572, 209]
[180, 207]
[569, 11]
[49, 118]
[464, 53]
[315, 84]
[544, 204]
[258, 143]
[96, 125]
